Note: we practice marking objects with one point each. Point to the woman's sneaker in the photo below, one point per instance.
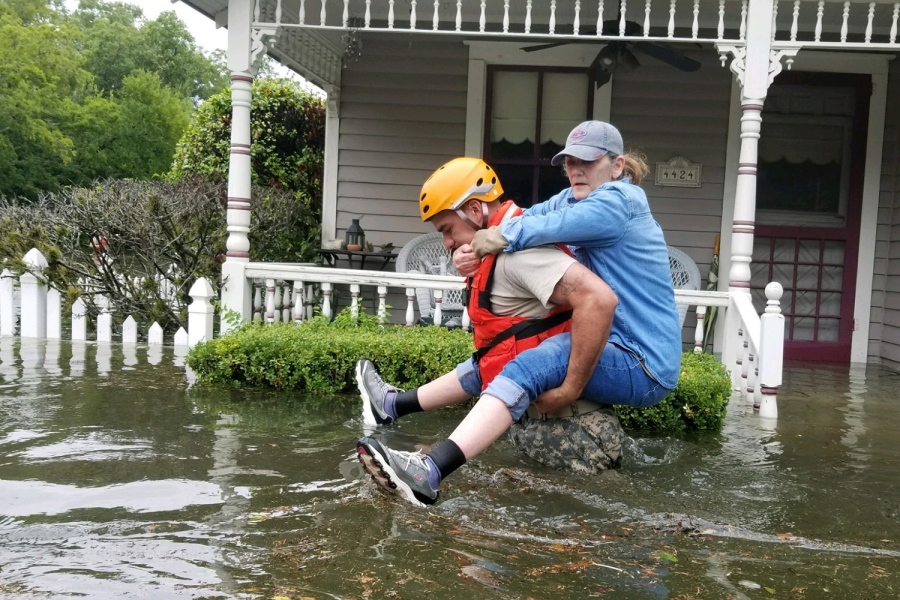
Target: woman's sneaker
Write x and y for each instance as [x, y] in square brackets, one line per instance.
[404, 473]
[373, 391]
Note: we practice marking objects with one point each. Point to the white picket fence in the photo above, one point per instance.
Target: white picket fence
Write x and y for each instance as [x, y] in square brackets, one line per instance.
[37, 308]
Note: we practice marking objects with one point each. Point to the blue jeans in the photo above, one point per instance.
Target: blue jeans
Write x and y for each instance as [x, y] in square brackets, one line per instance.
[618, 379]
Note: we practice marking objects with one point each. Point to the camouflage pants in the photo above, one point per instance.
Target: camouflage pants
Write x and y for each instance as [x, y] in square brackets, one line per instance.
[585, 443]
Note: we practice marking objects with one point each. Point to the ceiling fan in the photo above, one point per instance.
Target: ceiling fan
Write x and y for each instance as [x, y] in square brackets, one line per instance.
[617, 55]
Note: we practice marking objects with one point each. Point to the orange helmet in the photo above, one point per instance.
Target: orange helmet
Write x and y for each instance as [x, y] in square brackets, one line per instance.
[457, 182]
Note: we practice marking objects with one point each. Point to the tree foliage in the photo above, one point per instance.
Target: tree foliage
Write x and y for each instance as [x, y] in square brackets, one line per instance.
[158, 238]
[287, 139]
[100, 92]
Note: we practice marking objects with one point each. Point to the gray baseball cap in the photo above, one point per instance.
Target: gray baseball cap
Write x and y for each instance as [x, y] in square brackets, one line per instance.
[590, 141]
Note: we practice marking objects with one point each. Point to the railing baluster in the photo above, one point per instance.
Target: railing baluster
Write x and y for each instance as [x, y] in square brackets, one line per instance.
[308, 298]
[796, 16]
[322, 14]
[774, 18]
[527, 16]
[844, 22]
[695, 26]
[819, 14]
[622, 22]
[869, 22]
[438, 299]
[600, 17]
[256, 8]
[505, 16]
[257, 303]
[382, 304]
[671, 29]
[390, 14]
[720, 29]
[459, 15]
[410, 314]
[481, 18]
[412, 14]
[270, 300]
[576, 24]
[647, 18]
[435, 19]
[698, 330]
[298, 302]
[354, 300]
[743, 31]
[286, 302]
[894, 19]
[277, 292]
[466, 321]
[278, 12]
[346, 15]
[745, 363]
[751, 378]
[302, 15]
[552, 17]
[326, 300]
[368, 16]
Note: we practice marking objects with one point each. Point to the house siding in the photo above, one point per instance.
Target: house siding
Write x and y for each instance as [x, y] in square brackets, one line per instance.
[403, 114]
[884, 330]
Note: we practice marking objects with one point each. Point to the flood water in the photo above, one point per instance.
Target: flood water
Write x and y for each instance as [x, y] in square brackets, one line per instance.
[118, 479]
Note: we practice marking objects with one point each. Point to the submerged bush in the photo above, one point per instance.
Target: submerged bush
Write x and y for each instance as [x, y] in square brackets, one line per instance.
[697, 403]
[320, 357]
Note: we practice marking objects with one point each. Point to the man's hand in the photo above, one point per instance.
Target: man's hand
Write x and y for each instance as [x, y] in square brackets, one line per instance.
[553, 400]
[488, 241]
[465, 261]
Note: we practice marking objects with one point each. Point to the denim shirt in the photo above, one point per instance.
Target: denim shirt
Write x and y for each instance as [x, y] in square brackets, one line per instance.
[614, 234]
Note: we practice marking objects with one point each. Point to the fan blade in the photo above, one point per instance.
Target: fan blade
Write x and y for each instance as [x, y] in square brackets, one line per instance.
[544, 46]
[667, 55]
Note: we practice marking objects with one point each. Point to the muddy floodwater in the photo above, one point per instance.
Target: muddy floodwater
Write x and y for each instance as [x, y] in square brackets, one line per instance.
[119, 479]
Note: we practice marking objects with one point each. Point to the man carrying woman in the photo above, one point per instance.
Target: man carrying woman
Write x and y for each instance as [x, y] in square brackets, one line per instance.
[605, 218]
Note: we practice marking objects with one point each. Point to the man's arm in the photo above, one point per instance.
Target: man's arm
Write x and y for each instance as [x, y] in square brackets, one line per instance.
[593, 306]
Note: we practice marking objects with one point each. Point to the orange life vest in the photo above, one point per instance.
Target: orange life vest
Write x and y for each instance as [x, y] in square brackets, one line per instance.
[498, 339]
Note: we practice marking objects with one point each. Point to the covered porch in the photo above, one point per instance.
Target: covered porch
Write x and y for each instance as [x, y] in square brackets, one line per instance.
[410, 86]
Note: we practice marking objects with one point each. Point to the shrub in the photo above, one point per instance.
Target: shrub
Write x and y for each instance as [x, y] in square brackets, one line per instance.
[158, 236]
[697, 403]
[320, 357]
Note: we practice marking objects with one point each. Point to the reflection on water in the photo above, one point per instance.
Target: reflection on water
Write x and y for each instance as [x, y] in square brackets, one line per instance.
[119, 479]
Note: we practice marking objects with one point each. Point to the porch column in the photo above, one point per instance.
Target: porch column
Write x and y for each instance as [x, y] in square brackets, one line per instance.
[752, 67]
[235, 291]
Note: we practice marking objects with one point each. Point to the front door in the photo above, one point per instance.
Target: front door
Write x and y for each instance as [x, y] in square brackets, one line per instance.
[808, 200]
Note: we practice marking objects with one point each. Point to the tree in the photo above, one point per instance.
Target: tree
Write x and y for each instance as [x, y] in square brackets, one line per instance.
[286, 152]
[42, 81]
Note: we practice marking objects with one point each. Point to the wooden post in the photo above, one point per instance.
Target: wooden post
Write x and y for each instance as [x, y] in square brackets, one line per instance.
[34, 296]
[104, 320]
[54, 314]
[155, 335]
[129, 331]
[7, 303]
[79, 320]
[200, 312]
[771, 352]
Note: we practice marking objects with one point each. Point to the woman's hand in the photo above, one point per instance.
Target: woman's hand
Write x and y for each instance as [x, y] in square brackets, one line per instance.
[465, 261]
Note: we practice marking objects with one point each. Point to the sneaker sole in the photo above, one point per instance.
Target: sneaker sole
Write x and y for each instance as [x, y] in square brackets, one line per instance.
[368, 414]
[377, 466]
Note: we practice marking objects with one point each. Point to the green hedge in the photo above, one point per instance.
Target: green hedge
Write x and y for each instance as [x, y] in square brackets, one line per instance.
[320, 357]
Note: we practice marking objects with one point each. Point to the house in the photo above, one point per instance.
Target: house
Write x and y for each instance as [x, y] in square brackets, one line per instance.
[773, 124]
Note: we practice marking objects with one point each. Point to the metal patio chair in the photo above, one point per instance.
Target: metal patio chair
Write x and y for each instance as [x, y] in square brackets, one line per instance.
[685, 276]
[426, 254]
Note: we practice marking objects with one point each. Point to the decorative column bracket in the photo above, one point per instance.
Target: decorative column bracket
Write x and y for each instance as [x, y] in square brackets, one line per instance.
[261, 39]
[739, 53]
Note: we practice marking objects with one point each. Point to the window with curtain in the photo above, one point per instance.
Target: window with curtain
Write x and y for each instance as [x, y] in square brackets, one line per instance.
[530, 112]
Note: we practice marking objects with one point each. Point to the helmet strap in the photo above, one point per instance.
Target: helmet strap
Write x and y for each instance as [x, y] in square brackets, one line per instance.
[484, 217]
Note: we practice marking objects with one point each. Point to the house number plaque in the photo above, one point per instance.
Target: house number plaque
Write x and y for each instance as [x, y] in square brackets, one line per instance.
[678, 172]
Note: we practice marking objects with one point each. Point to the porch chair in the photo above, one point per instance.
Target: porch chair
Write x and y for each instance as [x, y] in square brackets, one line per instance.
[426, 254]
[685, 276]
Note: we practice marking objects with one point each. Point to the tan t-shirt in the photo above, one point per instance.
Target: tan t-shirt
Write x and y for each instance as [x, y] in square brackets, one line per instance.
[524, 280]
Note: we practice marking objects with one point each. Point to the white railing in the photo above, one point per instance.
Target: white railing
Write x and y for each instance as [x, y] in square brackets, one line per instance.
[812, 22]
[284, 291]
